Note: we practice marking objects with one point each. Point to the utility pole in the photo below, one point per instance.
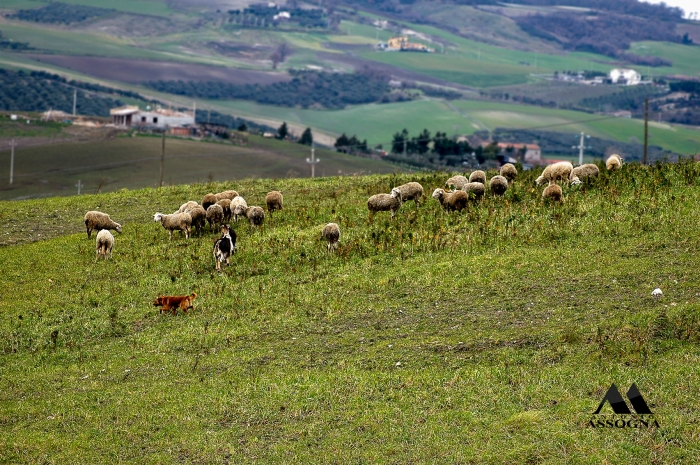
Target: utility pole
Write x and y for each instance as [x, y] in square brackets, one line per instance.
[646, 129]
[405, 143]
[313, 160]
[581, 147]
[75, 99]
[12, 160]
[79, 185]
[162, 159]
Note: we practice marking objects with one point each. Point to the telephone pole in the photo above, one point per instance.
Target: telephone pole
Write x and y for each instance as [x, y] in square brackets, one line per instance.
[79, 185]
[313, 160]
[12, 160]
[75, 99]
[646, 129]
[162, 159]
[581, 147]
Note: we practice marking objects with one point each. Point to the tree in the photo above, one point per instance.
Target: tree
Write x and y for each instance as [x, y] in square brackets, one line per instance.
[341, 143]
[282, 131]
[397, 144]
[282, 53]
[243, 127]
[306, 137]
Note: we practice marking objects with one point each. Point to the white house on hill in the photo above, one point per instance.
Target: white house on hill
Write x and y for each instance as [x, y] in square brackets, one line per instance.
[625, 76]
[160, 118]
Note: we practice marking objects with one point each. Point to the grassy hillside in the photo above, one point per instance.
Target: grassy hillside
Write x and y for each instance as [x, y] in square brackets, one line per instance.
[483, 337]
[134, 162]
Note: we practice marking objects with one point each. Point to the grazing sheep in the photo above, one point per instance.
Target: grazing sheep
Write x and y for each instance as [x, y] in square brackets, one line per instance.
[225, 246]
[255, 215]
[209, 200]
[273, 199]
[331, 233]
[457, 200]
[556, 171]
[230, 194]
[509, 172]
[457, 181]
[236, 202]
[385, 202]
[411, 191]
[94, 221]
[105, 242]
[476, 189]
[225, 205]
[588, 170]
[199, 217]
[614, 162]
[215, 215]
[552, 192]
[498, 185]
[186, 206]
[540, 180]
[175, 222]
[478, 176]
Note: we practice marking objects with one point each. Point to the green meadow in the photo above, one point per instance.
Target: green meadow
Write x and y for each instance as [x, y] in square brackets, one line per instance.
[143, 7]
[484, 336]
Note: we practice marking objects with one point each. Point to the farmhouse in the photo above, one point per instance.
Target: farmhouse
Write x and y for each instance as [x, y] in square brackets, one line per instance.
[161, 118]
[402, 44]
[528, 153]
[627, 77]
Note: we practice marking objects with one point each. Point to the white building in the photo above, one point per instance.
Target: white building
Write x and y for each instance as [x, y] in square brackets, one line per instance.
[627, 77]
[160, 118]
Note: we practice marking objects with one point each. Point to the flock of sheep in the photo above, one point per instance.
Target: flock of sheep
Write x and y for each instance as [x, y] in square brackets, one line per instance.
[218, 209]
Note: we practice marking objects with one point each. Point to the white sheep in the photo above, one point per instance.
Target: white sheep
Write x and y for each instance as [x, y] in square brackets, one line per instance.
[556, 171]
[478, 176]
[331, 233]
[614, 162]
[175, 222]
[509, 172]
[589, 170]
[199, 217]
[208, 200]
[186, 206]
[411, 191]
[457, 182]
[94, 221]
[230, 194]
[235, 203]
[385, 202]
[105, 243]
[225, 205]
[457, 200]
[475, 188]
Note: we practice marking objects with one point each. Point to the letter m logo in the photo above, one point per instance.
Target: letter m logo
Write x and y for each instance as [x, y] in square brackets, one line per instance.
[618, 403]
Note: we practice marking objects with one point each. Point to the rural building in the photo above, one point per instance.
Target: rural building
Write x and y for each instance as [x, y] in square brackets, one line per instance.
[628, 77]
[532, 152]
[402, 44]
[161, 118]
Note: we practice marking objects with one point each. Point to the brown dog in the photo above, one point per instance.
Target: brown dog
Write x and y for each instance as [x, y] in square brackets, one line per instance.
[170, 303]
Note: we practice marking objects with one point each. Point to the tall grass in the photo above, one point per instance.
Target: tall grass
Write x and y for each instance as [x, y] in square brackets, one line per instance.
[487, 336]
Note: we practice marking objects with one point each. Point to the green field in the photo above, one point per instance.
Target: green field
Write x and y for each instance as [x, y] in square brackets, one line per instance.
[378, 122]
[134, 162]
[685, 58]
[487, 336]
[143, 7]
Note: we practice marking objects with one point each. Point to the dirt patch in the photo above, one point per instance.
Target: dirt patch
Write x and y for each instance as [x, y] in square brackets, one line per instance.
[244, 51]
[138, 71]
[129, 25]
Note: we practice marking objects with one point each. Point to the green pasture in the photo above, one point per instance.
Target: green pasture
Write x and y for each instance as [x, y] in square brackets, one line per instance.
[484, 336]
[21, 4]
[134, 162]
[685, 58]
[378, 122]
[143, 7]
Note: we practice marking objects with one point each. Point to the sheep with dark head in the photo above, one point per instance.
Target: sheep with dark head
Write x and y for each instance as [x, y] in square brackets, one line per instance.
[94, 221]
[255, 215]
[385, 202]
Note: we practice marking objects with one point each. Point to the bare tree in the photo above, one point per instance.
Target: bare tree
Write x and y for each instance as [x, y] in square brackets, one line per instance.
[281, 54]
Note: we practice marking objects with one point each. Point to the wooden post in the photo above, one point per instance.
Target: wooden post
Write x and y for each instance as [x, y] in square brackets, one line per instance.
[646, 129]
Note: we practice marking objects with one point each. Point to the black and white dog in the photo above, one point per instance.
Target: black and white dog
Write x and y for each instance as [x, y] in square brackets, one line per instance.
[225, 246]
